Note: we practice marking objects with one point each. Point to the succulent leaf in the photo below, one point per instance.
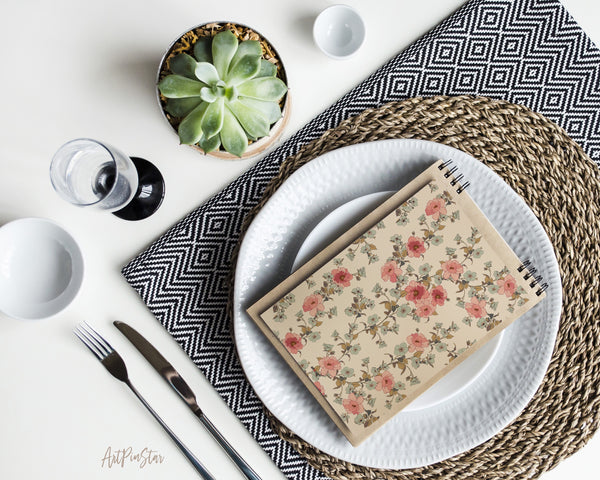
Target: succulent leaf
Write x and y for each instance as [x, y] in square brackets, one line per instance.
[207, 73]
[251, 120]
[184, 65]
[224, 46]
[209, 144]
[202, 50]
[231, 93]
[263, 88]
[245, 69]
[208, 95]
[212, 121]
[267, 69]
[269, 110]
[177, 86]
[180, 107]
[190, 129]
[248, 47]
[233, 136]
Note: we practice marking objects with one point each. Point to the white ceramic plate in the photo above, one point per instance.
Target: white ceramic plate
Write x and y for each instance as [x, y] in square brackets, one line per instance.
[41, 268]
[485, 401]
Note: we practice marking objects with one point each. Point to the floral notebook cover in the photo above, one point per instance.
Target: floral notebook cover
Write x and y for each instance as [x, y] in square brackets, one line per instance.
[394, 304]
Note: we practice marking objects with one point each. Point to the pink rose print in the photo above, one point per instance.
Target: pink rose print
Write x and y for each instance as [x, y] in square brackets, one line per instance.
[507, 285]
[438, 295]
[425, 309]
[390, 271]
[293, 342]
[415, 247]
[476, 308]
[329, 366]
[313, 304]
[353, 404]
[320, 388]
[385, 382]
[452, 269]
[435, 207]
[341, 276]
[417, 342]
[416, 291]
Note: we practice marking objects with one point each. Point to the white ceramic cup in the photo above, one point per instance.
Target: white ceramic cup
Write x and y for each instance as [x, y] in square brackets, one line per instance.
[41, 268]
[339, 31]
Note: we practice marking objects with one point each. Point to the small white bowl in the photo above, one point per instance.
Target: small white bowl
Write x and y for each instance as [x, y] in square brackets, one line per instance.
[339, 31]
[41, 268]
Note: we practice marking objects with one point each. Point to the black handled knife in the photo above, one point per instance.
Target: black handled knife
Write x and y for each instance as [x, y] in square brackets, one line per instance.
[172, 377]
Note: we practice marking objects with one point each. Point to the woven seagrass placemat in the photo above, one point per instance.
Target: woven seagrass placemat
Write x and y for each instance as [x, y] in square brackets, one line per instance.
[561, 185]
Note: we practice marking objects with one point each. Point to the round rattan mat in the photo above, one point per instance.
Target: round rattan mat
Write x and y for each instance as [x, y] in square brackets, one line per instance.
[561, 185]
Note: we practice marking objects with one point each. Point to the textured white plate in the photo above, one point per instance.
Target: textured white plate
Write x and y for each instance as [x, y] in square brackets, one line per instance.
[41, 268]
[469, 416]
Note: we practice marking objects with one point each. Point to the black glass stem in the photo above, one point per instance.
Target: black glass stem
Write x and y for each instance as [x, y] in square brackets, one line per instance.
[149, 194]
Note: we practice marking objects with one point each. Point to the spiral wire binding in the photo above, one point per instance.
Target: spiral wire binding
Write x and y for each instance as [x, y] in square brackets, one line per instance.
[524, 265]
[456, 180]
[530, 271]
[536, 279]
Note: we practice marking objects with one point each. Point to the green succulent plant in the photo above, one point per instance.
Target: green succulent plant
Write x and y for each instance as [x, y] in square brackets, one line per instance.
[226, 94]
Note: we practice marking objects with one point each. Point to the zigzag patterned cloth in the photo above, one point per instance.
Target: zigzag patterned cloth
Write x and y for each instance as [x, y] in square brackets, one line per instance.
[525, 51]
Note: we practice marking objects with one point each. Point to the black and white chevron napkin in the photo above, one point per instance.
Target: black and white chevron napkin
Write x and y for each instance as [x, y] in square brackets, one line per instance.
[525, 51]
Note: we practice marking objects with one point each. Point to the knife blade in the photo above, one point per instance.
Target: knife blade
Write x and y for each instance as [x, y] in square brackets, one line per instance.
[172, 377]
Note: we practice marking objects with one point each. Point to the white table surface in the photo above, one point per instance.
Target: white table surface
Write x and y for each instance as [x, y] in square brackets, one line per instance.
[75, 68]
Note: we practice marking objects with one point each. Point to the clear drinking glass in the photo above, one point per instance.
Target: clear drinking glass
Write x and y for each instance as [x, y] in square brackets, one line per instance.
[89, 173]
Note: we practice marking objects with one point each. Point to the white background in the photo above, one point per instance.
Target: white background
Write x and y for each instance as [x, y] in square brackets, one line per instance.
[73, 69]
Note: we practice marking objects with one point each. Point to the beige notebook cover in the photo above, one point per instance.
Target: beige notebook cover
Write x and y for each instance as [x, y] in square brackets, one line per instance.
[396, 302]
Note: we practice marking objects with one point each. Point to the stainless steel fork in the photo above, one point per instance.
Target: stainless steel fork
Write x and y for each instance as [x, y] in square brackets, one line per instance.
[115, 365]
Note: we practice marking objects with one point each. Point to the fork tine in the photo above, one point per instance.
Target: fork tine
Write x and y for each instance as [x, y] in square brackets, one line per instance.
[91, 347]
[93, 341]
[100, 338]
[104, 346]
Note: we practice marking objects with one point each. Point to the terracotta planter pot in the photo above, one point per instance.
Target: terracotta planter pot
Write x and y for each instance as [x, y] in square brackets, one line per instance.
[185, 44]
